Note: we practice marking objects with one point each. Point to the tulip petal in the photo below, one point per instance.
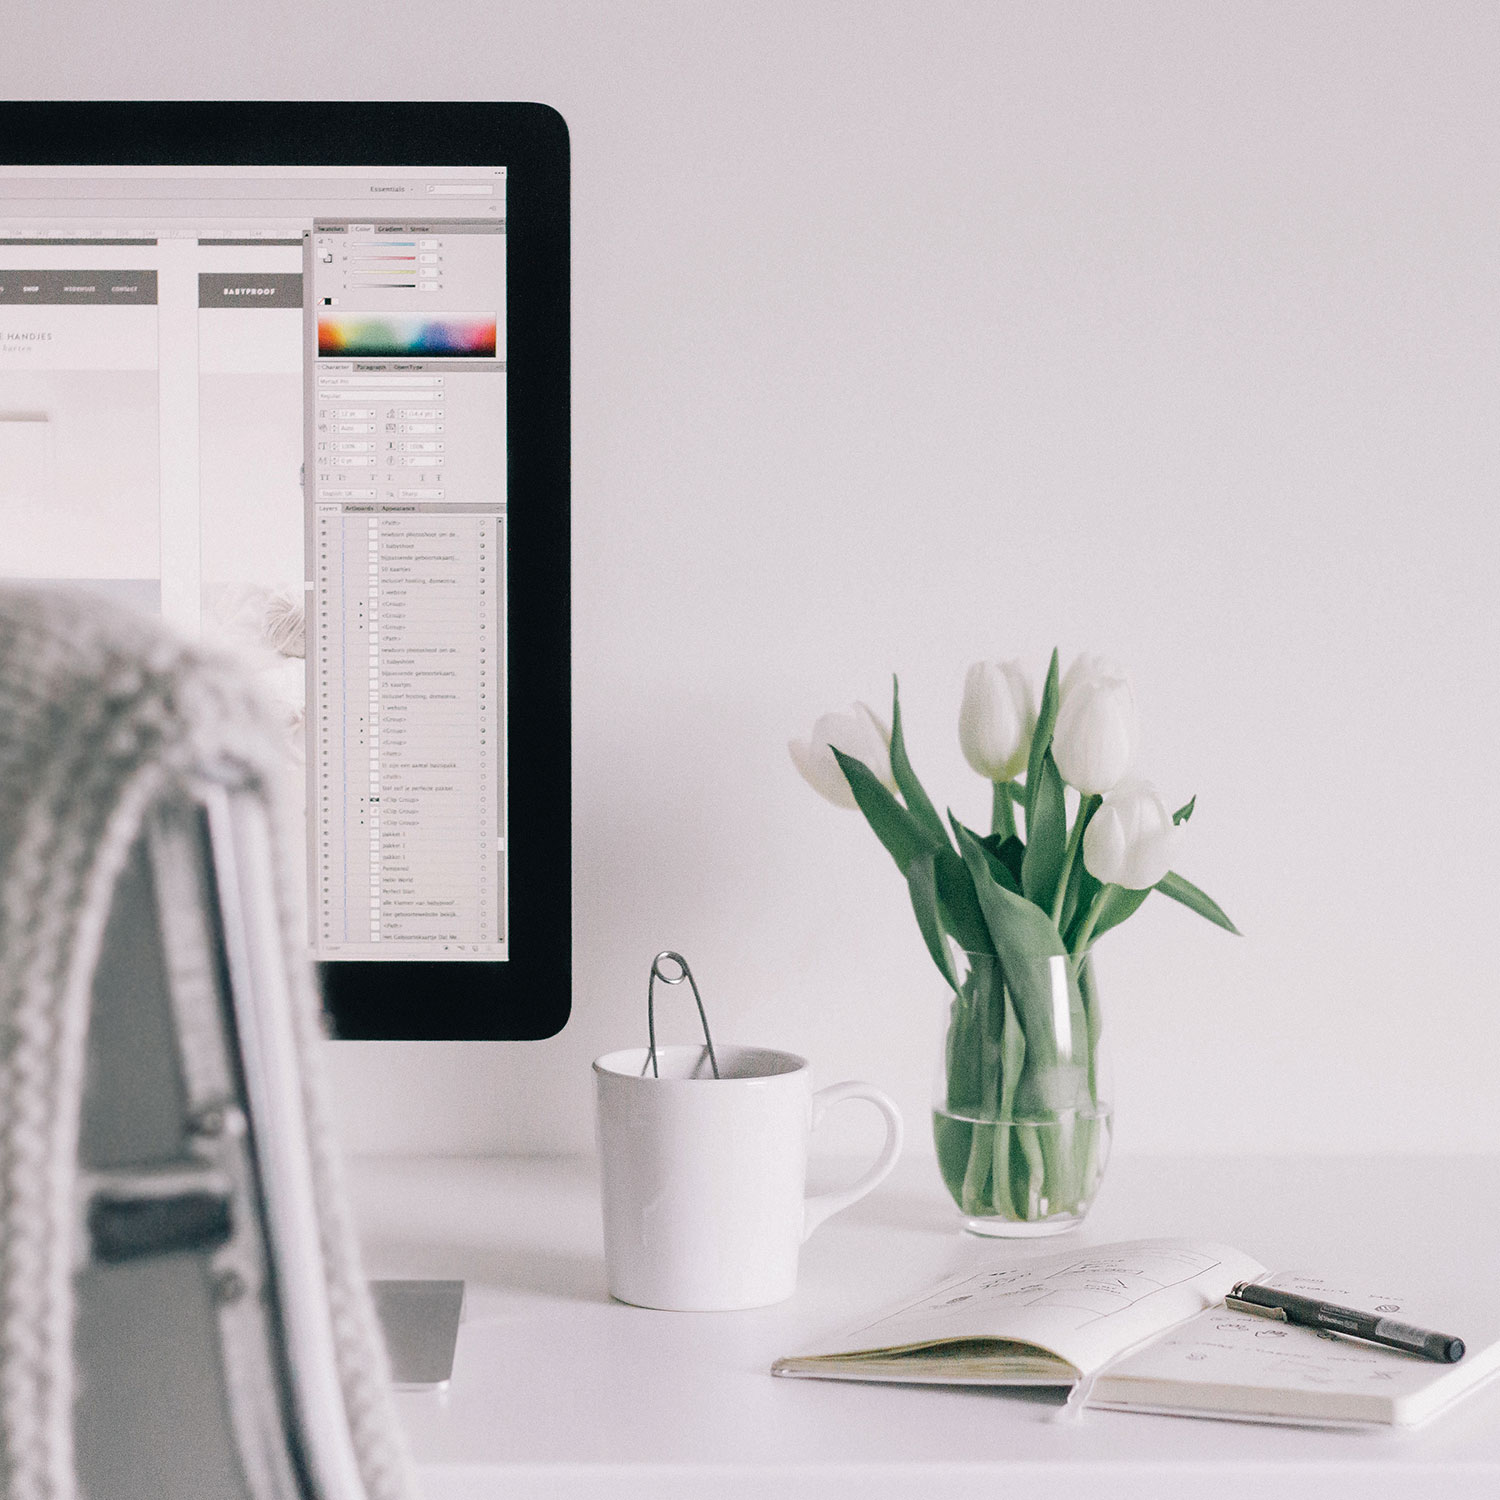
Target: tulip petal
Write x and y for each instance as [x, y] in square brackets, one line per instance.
[870, 741]
[1097, 727]
[1149, 860]
[1104, 845]
[821, 771]
[996, 719]
[857, 733]
[1131, 839]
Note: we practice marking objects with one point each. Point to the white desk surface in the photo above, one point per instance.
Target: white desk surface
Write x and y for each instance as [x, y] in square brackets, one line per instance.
[560, 1392]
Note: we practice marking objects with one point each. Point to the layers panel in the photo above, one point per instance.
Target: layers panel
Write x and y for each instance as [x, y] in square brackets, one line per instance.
[406, 487]
[410, 840]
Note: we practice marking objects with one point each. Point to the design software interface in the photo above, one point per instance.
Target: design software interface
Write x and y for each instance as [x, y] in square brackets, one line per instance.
[270, 405]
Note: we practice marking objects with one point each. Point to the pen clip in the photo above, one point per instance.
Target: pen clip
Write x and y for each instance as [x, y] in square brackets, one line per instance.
[1238, 1304]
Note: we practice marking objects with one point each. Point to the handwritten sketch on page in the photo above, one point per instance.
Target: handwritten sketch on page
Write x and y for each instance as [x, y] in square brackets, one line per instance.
[1084, 1306]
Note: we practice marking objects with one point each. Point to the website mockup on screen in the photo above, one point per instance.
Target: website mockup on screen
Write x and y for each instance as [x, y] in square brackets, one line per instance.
[270, 405]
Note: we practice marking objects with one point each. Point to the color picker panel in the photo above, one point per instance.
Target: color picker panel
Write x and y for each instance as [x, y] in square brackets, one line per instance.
[389, 337]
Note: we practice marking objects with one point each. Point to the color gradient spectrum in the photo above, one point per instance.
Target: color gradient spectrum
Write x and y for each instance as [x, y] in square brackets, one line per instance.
[395, 337]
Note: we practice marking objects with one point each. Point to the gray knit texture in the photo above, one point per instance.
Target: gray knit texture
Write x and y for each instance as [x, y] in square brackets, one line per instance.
[102, 712]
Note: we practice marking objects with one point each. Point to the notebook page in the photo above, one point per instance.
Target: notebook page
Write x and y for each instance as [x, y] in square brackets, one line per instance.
[1238, 1363]
[1086, 1304]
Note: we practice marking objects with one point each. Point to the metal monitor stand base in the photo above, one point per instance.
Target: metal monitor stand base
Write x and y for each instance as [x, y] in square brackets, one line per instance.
[420, 1320]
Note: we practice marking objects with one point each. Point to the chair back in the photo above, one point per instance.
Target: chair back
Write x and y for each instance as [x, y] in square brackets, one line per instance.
[182, 1312]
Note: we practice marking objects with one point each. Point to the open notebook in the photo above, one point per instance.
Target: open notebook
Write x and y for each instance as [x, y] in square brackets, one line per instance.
[1145, 1322]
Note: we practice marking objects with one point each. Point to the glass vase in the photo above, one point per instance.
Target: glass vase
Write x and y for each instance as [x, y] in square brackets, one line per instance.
[1022, 1104]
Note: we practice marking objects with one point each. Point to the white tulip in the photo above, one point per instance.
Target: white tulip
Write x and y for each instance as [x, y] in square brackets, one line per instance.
[1130, 841]
[859, 734]
[996, 719]
[1097, 728]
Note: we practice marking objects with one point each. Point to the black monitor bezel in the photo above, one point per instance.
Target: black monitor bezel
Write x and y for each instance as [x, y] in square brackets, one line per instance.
[528, 997]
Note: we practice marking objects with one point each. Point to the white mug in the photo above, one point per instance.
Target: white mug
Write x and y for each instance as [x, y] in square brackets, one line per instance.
[704, 1178]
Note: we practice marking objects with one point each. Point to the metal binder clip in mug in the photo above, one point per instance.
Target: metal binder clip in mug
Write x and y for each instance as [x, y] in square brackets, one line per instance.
[703, 1156]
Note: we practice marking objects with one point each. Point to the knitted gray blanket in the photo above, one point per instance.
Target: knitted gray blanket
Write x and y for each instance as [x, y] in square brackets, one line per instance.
[101, 714]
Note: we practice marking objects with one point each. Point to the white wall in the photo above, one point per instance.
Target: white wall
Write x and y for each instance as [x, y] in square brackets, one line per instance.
[906, 334]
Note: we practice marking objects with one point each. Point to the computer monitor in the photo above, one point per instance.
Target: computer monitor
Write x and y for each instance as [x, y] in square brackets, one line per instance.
[296, 376]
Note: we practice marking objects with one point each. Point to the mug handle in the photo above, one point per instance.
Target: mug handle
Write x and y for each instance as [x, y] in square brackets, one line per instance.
[823, 1205]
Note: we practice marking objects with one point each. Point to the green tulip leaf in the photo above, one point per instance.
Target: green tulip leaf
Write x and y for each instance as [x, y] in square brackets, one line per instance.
[1173, 885]
[1067, 909]
[1119, 904]
[1082, 888]
[918, 803]
[1184, 812]
[958, 904]
[1026, 943]
[998, 867]
[1010, 851]
[903, 837]
[1041, 739]
[921, 882]
[906, 840]
[1046, 835]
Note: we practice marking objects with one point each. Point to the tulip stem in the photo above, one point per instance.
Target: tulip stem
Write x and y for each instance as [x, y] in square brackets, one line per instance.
[1003, 810]
[1090, 921]
[1086, 808]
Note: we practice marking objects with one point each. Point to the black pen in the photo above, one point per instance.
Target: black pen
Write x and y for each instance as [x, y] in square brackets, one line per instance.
[1270, 1302]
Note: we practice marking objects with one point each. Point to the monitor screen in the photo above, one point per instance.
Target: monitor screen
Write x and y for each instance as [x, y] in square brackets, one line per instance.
[276, 402]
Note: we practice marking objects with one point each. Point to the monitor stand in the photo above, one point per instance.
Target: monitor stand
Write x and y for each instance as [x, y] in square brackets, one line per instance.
[420, 1320]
